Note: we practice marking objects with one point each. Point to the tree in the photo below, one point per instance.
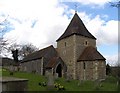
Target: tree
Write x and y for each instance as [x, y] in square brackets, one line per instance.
[5, 26]
[26, 49]
[108, 69]
[15, 55]
[3, 42]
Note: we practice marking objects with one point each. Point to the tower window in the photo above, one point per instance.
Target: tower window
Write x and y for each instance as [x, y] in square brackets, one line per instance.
[86, 43]
[65, 44]
[84, 65]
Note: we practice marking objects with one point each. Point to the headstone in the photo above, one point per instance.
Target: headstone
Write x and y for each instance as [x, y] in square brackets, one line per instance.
[15, 68]
[69, 77]
[81, 82]
[56, 76]
[11, 68]
[50, 82]
[97, 84]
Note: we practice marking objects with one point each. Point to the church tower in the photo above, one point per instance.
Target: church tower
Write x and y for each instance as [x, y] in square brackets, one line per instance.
[72, 43]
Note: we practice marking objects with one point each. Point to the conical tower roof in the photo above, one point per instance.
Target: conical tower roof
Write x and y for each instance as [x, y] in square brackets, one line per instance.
[77, 27]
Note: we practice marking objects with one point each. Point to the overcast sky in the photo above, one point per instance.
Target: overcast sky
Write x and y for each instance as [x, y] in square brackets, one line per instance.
[42, 22]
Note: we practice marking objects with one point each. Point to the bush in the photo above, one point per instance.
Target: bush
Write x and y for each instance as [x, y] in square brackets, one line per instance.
[42, 84]
[59, 87]
[11, 73]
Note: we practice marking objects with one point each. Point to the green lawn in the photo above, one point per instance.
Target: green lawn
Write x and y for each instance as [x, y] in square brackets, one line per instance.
[74, 85]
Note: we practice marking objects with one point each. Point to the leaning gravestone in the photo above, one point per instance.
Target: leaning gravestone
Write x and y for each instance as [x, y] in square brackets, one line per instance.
[50, 82]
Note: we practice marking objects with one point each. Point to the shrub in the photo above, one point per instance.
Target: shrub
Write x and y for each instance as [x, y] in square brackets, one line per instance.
[59, 87]
[42, 84]
[11, 73]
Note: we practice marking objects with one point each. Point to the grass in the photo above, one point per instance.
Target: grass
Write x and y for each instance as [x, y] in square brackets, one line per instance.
[74, 85]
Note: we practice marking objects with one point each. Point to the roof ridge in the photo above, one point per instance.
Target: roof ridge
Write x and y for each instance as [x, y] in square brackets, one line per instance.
[39, 51]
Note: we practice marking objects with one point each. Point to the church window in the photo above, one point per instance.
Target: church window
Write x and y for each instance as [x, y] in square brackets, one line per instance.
[86, 43]
[83, 65]
[65, 44]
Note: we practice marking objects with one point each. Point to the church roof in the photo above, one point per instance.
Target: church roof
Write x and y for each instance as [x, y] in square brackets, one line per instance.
[77, 27]
[46, 52]
[53, 61]
[90, 54]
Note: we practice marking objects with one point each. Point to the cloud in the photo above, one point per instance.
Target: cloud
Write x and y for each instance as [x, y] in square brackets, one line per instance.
[89, 2]
[42, 23]
[106, 32]
[50, 21]
[112, 60]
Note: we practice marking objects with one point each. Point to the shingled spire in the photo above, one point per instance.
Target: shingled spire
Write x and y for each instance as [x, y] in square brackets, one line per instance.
[77, 27]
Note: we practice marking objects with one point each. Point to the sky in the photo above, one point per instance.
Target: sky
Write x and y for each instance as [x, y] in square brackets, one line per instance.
[42, 22]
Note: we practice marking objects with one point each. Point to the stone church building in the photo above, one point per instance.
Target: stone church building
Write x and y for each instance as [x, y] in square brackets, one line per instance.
[76, 55]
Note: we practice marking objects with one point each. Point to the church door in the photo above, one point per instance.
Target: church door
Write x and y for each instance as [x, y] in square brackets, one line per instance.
[59, 70]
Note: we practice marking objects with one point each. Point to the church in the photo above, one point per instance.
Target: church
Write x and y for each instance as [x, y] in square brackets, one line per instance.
[76, 55]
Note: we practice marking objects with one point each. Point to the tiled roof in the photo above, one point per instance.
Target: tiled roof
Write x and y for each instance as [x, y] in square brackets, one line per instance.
[77, 27]
[48, 51]
[52, 63]
[90, 54]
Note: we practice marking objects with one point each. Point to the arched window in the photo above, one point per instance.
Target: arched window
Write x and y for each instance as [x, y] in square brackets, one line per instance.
[65, 44]
[83, 65]
[86, 43]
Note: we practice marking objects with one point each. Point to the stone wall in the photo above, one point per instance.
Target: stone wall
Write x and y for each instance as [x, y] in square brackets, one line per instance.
[85, 70]
[35, 66]
[93, 70]
[102, 69]
[70, 50]
[66, 51]
[81, 43]
[14, 84]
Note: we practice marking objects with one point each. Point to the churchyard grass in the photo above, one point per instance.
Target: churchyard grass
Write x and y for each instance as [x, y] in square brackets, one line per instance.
[110, 84]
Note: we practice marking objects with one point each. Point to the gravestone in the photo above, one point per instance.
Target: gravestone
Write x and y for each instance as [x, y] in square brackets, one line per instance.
[11, 69]
[50, 82]
[97, 84]
[56, 76]
[81, 82]
[69, 77]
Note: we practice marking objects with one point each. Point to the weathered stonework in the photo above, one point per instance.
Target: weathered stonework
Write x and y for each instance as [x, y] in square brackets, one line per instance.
[70, 49]
[35, 66]
[66, 52]
[71, 46]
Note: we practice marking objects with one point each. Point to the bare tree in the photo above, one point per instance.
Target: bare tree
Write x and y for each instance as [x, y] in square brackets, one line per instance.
[3, 42]
[115, 4]
[26, 49]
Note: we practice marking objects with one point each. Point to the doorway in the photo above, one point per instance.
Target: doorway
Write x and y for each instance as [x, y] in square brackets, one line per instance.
[59, 70]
